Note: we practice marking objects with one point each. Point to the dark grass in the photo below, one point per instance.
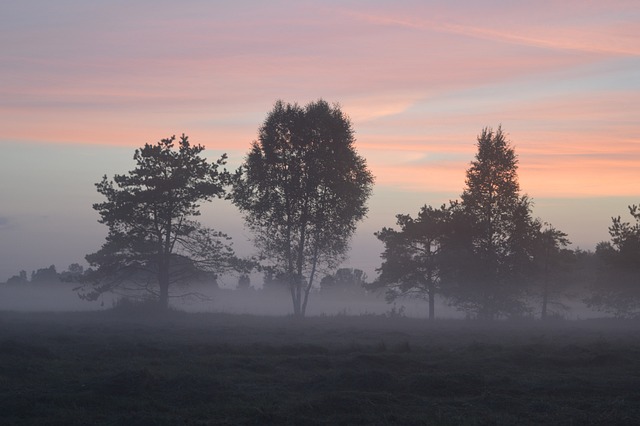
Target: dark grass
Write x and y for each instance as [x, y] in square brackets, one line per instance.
[205, 369]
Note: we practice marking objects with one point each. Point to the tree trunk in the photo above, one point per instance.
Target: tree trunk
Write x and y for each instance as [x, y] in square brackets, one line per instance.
[292, 290]
[300, 267]
[298, 307]
[165, 265]
[545, 299]
[163, 283]
[432, 304]
[310, 284]
[545, 288]
[295, 294]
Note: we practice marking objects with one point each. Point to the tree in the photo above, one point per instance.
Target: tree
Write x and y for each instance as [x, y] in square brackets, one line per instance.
[502, 235]
[45, 275]
[414, 255]
[553, 264]
[74, 273]
[21, 278]
[345, 282]
[617, 287]
[302, 189]
[153, 241]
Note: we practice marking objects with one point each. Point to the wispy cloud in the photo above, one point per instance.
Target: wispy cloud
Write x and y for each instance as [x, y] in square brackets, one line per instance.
[619, 38]
[417, 79]
[612, 40]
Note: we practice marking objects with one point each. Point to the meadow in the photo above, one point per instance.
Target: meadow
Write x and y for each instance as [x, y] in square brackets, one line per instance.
[104, 368]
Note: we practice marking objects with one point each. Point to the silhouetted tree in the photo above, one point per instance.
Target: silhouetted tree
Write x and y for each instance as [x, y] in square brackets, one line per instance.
[503, 232]
[302, 189]
[553, 264]
[345, 282]
[45, 275]
[74, 273]
[617, 288]
[21, 278]
[414, 255]
[153, 240]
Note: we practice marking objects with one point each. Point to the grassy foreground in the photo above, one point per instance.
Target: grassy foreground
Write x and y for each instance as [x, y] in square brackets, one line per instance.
[206, 369]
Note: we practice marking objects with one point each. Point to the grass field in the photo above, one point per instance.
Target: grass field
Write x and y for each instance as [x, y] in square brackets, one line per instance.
[201, 369]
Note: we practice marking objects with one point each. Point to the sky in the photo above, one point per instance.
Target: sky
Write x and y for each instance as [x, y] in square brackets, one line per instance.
[85, 83]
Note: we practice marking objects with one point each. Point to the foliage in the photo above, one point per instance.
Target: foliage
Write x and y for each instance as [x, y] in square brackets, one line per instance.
[477, 252]
[302, 189]
[413, 257]
[21, 278]
[74, 273]
[345, 282]
[553, 265]
[617, 288]
[153, 241]
[45, 275]
[502, 232]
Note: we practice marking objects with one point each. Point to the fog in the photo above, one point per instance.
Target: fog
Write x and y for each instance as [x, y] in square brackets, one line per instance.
[278, 302]
[46, 297]
[353, 360]
[205, 298]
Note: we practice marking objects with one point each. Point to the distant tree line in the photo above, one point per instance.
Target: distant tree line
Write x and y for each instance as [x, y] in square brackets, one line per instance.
[303, 188]
[49, 275]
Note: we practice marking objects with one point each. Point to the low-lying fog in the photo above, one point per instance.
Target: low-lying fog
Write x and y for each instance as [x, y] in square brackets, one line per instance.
[60, 297]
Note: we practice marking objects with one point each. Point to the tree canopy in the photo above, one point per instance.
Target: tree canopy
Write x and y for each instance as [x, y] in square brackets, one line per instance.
[413, 255]
[346, 283]
[552, 264]
[153, 240]
[302, 189]
[617, 288]
[503, 231]
[476, 251]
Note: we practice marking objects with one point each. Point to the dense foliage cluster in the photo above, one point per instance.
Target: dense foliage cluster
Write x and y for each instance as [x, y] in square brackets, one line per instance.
[617, 286]
[302, 190]
[489, 257]
[153, 240]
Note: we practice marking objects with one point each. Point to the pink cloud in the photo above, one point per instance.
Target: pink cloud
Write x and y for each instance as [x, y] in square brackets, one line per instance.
[416, 79]
[613, 40]
[549, 25]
